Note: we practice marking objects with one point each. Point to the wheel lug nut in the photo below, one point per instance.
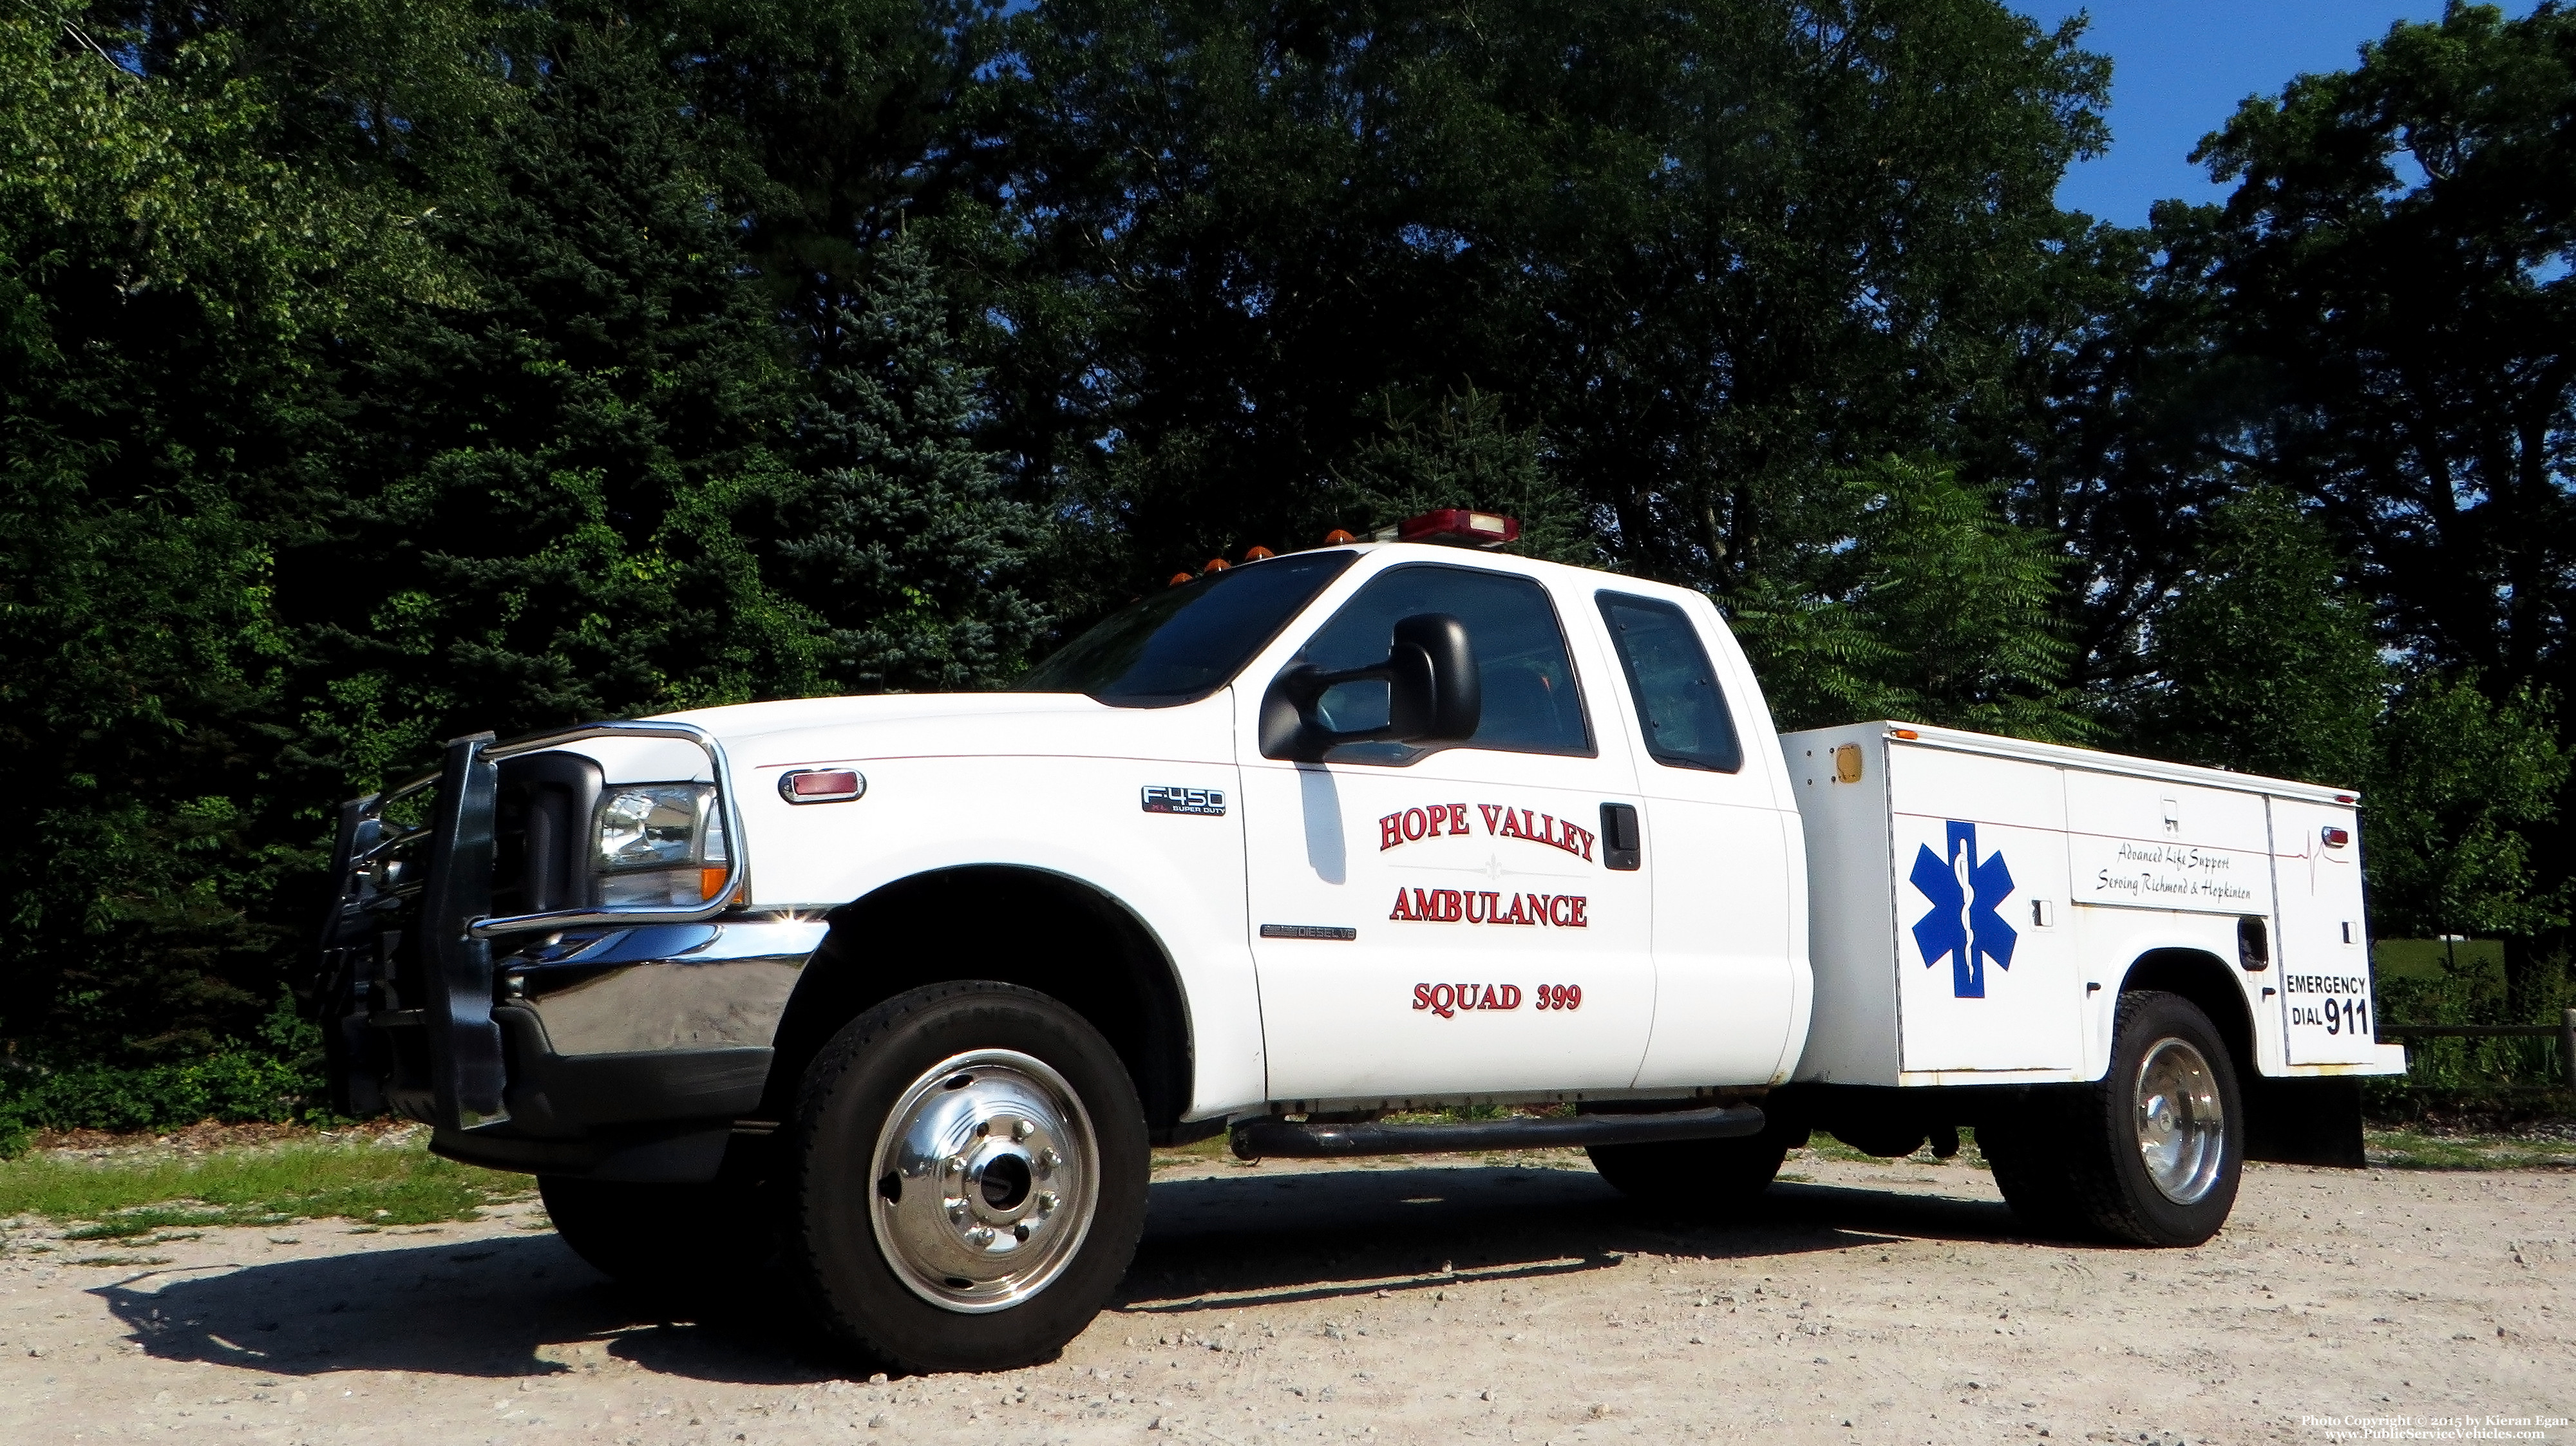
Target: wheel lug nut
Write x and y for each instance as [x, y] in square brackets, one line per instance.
[1050, 1158]
[1046, 1201]
[980, 1235]
[1022, 1129]
[956, 1212]
[956, 1164]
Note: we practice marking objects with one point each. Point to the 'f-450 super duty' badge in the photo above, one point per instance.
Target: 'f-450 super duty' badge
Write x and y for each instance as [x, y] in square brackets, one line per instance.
[1163, 798]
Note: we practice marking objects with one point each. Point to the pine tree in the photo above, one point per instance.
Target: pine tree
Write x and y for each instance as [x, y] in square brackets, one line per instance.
[1464, 454]
[901, 536]
[545, 481]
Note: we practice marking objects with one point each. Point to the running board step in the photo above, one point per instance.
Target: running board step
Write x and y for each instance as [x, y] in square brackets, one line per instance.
[1298, 1140]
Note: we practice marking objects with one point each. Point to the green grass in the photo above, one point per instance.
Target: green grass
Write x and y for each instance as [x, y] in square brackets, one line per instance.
[2478, 959]
[126, 1199]
[2406, 1150]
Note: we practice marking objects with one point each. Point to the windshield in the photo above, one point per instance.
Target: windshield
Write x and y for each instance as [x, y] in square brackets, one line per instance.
[1186, 642]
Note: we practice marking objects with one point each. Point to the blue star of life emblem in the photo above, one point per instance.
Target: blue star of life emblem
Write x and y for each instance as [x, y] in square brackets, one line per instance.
[1963, 923]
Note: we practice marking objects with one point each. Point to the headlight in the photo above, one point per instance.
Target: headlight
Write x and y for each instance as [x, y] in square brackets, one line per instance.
[659, 844]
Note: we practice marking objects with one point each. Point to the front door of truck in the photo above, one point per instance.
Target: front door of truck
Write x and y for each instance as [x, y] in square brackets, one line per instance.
[1447, 921]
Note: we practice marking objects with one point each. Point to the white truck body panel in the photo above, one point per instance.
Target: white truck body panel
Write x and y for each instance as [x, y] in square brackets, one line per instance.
[1977, 902]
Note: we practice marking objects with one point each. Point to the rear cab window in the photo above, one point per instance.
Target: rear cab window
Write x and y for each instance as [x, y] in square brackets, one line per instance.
[1680, 704]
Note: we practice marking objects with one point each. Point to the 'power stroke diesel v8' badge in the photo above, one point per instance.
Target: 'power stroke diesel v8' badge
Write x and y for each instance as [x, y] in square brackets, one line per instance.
[1163, 798]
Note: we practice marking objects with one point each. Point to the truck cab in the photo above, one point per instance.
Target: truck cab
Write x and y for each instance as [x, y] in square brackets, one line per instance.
[903, 988]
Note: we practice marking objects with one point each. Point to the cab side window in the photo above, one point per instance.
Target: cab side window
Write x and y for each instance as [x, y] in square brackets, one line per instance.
[1669, 674]
[1531, 703]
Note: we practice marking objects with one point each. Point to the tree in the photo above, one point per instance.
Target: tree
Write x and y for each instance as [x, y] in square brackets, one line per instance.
[1917, 599]
[902, 538]
[541, 480]
[2396, 257]
[162, 270]
[1709, 254]
[2461, 782]
[2262, 659]
[1463, 453]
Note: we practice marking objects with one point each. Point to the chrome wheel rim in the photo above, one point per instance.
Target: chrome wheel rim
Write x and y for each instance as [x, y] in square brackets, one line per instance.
[2182, 1126]
[986, 1175]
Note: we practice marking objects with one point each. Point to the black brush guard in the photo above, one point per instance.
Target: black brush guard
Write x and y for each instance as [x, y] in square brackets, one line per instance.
[404, 986]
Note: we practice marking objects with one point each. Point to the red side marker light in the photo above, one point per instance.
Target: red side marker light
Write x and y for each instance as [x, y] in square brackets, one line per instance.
[2345, 798]
[821, 785]
[1457, 524]
[2337, 837]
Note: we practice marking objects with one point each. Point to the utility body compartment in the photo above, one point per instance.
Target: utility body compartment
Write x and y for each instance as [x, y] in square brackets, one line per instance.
[1977, 903]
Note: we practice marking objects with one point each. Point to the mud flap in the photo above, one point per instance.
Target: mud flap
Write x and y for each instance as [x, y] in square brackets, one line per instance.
[2304, 1122]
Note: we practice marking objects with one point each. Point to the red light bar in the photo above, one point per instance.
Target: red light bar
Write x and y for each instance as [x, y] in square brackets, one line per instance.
[1457, 524]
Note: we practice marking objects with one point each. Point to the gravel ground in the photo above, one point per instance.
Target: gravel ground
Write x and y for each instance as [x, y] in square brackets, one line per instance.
[1508, 1301]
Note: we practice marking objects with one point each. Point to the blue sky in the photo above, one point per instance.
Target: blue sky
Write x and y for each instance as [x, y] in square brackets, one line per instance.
[2179, 67]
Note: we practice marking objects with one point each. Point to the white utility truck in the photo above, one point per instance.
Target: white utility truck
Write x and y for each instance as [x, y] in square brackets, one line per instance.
[903, 989]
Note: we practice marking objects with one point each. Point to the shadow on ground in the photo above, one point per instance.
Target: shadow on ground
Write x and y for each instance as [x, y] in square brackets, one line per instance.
[485, 1308]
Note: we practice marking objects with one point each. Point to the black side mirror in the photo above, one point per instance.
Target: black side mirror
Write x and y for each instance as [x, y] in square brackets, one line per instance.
[1432, 694]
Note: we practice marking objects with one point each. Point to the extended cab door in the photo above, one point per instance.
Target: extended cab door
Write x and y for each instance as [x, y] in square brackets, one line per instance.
[1729, 881]
[1448, 921]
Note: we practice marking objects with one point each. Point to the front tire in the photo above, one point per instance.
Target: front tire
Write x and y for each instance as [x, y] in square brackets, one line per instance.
[970, 1167]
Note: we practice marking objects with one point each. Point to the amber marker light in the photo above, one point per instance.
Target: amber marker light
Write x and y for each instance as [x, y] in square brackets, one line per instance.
[1179, 577]
[1256, 552]
[1216, 564]
[1337, 537]
[1904, 733]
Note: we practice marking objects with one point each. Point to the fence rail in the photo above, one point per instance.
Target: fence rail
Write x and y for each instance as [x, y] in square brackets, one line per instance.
[2564, 1031]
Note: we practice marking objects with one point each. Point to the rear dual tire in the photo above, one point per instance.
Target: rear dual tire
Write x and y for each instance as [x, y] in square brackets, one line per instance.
[1701, 1177]
[2151, 1154]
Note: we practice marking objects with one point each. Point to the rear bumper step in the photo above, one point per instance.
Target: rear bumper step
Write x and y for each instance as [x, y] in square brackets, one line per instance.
[1298, 1140]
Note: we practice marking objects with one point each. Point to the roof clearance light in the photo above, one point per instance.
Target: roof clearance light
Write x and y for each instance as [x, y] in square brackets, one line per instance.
[1216, 564]
[1256, 552]
[1337, 537]
[1179, 577]
[1457, 524]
